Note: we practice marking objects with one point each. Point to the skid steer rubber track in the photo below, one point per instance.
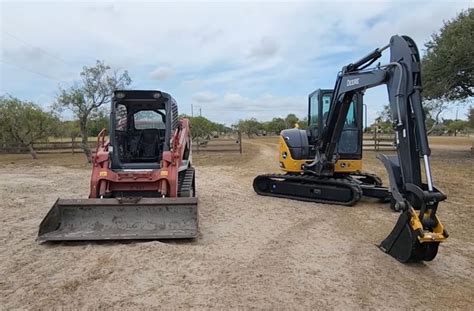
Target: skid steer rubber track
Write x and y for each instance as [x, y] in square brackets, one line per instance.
[342, 191]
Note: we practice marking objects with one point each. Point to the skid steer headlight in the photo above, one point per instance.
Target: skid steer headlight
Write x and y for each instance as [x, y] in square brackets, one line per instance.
[120, 95]
[156, 95]
[284, 155]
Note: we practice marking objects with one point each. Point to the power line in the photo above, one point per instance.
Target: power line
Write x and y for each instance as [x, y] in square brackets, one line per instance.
[26, 69]
[35, 47]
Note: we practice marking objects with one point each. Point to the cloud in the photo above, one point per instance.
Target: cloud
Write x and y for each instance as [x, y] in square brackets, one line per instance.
[204, 97]
[235, 100]
[263, 63]
[161, 73]
[266, 47]
[233, 106]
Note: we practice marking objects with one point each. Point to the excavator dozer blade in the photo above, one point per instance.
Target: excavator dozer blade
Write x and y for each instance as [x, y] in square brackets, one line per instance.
[116, 219]
[403, 244]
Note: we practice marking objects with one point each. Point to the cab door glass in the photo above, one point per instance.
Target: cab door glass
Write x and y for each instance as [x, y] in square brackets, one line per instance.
[351, 117]
[313, 110]
[326, 105]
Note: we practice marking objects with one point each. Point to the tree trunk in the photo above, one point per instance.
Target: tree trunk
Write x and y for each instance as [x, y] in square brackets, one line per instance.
[33, 153]
[85, 140]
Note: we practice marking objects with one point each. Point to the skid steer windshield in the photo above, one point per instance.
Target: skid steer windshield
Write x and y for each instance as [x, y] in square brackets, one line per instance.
[139, 134]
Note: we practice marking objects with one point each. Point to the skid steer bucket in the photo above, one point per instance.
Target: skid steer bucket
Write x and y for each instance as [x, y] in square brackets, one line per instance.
[118, 219]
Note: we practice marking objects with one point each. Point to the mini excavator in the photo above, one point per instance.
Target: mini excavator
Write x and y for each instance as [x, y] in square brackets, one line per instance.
[323, 163]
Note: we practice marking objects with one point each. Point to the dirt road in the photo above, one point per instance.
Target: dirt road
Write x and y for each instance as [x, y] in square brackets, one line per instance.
[253, 252]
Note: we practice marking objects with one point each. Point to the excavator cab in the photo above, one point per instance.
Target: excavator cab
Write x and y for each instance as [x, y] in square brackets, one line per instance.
[350, 142]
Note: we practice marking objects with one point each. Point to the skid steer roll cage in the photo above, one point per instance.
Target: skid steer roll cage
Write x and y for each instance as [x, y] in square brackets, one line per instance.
[403, 80]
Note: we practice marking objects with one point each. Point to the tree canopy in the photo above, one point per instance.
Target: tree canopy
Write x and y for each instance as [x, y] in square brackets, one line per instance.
[202, 127]
[94, 89]
[250, 126]
[24, 123]
[448, 66]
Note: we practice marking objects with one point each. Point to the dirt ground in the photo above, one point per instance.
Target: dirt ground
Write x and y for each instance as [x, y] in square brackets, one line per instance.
[253, 251]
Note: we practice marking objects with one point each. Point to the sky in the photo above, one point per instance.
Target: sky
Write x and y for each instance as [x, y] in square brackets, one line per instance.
[228, 60]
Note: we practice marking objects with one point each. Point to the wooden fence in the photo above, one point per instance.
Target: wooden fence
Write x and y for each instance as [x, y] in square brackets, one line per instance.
[378, 142]
[225, 144]
[231, 143]
[49, 147]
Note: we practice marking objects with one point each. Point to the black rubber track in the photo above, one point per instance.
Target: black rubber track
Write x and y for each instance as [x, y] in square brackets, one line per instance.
[186, 183]
[262, 186]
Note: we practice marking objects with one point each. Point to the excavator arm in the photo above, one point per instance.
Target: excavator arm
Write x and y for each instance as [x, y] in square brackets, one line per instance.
[418, 231]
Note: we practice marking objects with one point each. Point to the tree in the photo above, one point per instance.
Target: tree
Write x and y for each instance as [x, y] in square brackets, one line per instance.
[432, 108]
[385, 120]
[470, 117]
[94, 89]
[249, 126]
[24, 123]
[457, 126]
[98, 123]
[303, 124]
[290, 120]
[448, 66]
[200, 127]
[276, 125]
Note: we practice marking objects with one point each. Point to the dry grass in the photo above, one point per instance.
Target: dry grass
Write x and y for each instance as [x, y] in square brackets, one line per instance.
[226, 158]
[76, 160]
[253, 251]
[451, 140]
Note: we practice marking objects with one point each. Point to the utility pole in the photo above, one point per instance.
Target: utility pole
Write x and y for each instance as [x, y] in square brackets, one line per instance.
[200, 112]
[192, 113]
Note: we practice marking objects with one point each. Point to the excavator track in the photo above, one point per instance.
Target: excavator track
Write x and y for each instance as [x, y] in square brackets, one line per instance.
[371, 186]
[327, 190]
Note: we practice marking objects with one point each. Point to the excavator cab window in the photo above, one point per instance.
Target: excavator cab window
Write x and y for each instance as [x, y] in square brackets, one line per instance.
[326, 102]
[349, 143]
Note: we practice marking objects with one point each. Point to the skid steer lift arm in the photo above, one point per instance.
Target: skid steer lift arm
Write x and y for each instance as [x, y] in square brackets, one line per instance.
[418, 232]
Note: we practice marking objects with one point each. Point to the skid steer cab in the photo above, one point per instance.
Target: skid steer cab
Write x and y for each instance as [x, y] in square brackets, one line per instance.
[142, 184]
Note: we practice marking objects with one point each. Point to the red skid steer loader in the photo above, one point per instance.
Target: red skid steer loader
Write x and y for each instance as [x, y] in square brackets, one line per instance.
[142, 183]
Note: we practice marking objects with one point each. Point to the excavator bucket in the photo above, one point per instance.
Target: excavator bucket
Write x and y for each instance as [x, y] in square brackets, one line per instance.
[120, 219]
[403, 242]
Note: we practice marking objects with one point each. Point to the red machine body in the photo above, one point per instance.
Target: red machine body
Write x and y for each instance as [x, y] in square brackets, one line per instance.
[105, 181]
[142, 184]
